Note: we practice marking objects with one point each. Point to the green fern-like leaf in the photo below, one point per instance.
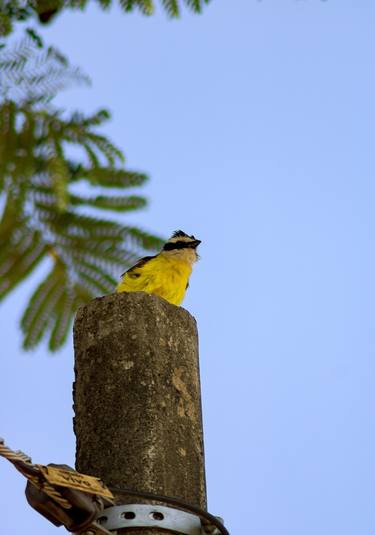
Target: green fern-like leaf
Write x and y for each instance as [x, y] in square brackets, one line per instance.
[65, 308]
[34, 73]
[42, 218]
[59, 178]
[45, 10]
[171, 6]
[18, 259]
[195, 5]
[6, 25]
[118, 203]
[38, 314]
[113, 178]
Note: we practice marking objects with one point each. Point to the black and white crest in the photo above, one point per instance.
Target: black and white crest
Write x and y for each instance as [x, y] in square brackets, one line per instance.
[179, 234]
[181, 240]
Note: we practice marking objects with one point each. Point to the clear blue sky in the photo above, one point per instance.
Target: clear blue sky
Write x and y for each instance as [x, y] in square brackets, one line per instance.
[256, 122]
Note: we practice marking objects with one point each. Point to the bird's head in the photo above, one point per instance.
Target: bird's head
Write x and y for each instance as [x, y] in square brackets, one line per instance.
[183, 245]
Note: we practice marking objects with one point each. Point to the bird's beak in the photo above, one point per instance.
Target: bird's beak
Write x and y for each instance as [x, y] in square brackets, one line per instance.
[196, 243]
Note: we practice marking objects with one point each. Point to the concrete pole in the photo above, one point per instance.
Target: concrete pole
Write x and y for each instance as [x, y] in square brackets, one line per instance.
[137, 401]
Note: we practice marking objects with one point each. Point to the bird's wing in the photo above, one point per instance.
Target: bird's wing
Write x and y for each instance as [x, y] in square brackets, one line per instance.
[139, 264]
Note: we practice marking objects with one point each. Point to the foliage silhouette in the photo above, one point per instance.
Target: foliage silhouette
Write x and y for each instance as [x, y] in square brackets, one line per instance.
[46, 215]
[45, 10]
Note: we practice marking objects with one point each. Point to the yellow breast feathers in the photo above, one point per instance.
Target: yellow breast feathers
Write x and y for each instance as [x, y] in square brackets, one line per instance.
[166, 274]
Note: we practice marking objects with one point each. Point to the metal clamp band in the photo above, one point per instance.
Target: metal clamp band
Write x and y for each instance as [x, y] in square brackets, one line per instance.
[144, 515]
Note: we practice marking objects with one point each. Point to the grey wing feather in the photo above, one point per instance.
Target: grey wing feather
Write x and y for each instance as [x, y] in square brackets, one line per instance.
[139, 264]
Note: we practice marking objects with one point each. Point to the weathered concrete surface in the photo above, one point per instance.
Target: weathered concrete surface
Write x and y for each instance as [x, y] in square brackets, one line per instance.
[137, 401]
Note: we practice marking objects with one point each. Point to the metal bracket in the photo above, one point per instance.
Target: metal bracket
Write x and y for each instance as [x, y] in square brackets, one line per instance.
[94, 529]
[155, 516]
[75, 500]
[209, 529]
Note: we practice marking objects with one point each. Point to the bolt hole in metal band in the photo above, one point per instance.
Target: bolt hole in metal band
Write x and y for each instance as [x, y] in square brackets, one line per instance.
[129, 515]
[143, 515]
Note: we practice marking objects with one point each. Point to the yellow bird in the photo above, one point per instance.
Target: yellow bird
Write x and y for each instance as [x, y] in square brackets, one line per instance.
[165, 274]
